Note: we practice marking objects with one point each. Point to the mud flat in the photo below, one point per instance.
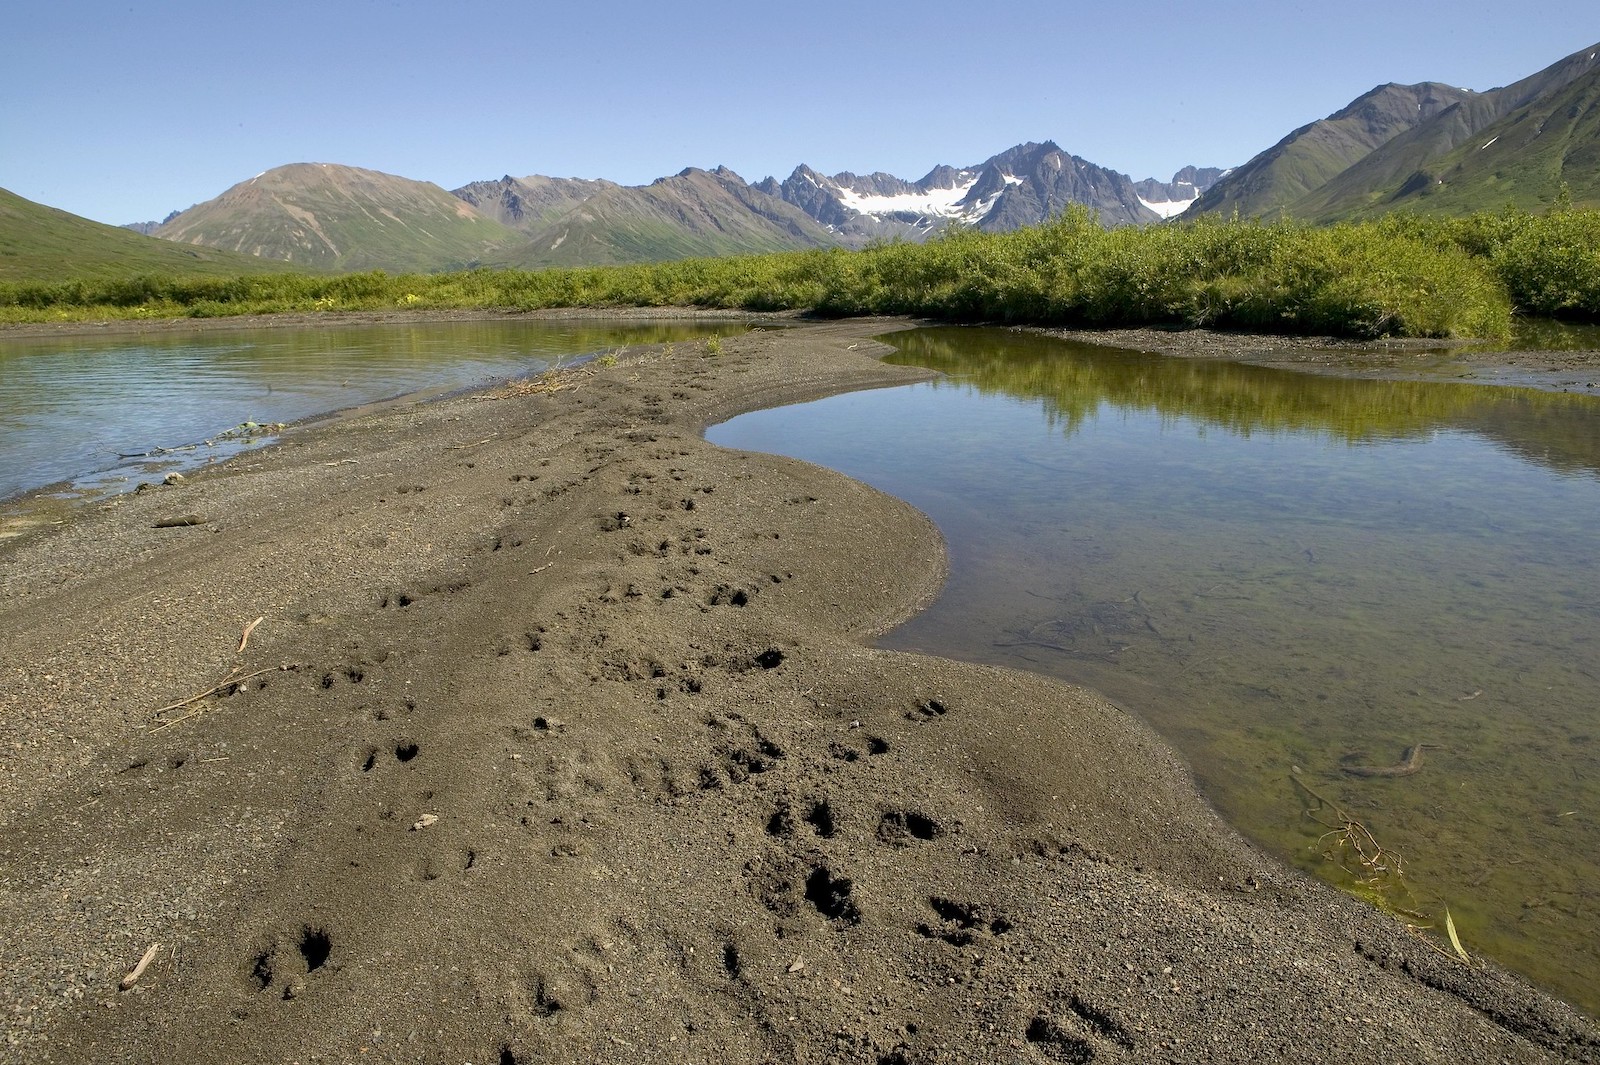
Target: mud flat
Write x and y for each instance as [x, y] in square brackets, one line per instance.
[559, 740]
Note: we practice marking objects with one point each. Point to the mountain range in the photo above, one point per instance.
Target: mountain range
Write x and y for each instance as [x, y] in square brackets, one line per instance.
[1428, 147]
[1433, 149]
[325, 216]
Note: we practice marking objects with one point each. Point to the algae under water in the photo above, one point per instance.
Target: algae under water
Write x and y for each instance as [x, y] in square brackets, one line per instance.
[1288, 575]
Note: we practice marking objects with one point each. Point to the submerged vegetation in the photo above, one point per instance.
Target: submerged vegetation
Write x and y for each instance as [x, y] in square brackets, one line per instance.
[1401, 276]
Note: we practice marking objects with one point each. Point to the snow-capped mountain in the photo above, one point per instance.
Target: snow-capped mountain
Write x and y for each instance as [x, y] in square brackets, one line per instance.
[1021, 186]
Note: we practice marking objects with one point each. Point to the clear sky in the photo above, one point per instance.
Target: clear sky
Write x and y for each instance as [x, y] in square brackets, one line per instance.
[125, 111]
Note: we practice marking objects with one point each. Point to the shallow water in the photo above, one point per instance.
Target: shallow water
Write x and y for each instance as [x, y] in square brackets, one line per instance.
[1287, 575]
[101, 413]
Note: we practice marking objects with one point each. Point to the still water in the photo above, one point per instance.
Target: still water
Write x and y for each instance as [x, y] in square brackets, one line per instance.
[102, 413]
[1291, 577]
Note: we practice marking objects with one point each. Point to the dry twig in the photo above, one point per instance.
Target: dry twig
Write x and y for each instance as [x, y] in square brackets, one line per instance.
[138, 970]
[229, 680]
[244, 637]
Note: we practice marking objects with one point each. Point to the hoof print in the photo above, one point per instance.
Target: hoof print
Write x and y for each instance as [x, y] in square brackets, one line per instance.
[928, 710]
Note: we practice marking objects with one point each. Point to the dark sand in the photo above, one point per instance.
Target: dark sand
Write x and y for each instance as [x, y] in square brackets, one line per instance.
[569, 748]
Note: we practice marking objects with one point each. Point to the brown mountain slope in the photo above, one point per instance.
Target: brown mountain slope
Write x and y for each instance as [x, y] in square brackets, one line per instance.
[326, 216]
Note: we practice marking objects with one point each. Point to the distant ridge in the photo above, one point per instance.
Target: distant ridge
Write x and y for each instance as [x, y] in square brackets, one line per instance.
[1428, 148]
[325, 216]
[693, 213]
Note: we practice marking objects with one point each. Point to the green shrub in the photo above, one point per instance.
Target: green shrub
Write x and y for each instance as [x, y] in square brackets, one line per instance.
[1402, 276]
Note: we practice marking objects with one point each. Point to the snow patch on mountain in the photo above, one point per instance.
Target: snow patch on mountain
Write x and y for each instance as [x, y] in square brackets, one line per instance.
[1171, 208]
[945, 203]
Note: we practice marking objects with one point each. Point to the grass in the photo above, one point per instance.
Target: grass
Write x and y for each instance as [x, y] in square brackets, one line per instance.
[1402, 276]
[39, 243]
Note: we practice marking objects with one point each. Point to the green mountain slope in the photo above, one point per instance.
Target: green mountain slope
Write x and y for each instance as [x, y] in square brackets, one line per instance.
[1521, 159]
[39, 243]
[1317, 152]
[1408, 163]
[695, 213]
[328, 217]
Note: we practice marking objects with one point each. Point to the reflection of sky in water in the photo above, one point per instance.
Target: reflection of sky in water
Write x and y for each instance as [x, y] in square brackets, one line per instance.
[1282, 569]
[70, 407]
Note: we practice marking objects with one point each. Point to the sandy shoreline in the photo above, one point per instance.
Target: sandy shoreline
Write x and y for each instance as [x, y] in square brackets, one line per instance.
[563, 745]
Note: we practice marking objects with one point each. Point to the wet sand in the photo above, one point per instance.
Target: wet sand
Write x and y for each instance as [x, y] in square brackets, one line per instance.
[560, 740]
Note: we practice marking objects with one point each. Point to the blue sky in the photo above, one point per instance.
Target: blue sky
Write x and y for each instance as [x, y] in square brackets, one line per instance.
[125, 111]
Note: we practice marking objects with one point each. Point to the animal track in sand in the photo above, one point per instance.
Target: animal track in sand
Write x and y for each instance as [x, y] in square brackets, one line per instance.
[727, 594]
[846, 753]
[353, 674]
[900, 827]
[383, 713]
[433, 868]
[820, 818]
[743, 752]
[286, 970]
[927, 710]
[782, 883]
[830, 895]
[1057, 1043]
[1101, 1023]
[771, 658]
[781, 823]
[959, 923]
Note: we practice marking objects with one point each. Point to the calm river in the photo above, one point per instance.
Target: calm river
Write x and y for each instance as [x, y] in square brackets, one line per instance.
[1291, 577]
[103, 413]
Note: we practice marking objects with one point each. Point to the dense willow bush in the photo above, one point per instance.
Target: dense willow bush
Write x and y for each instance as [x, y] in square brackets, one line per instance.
[1400, 276]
